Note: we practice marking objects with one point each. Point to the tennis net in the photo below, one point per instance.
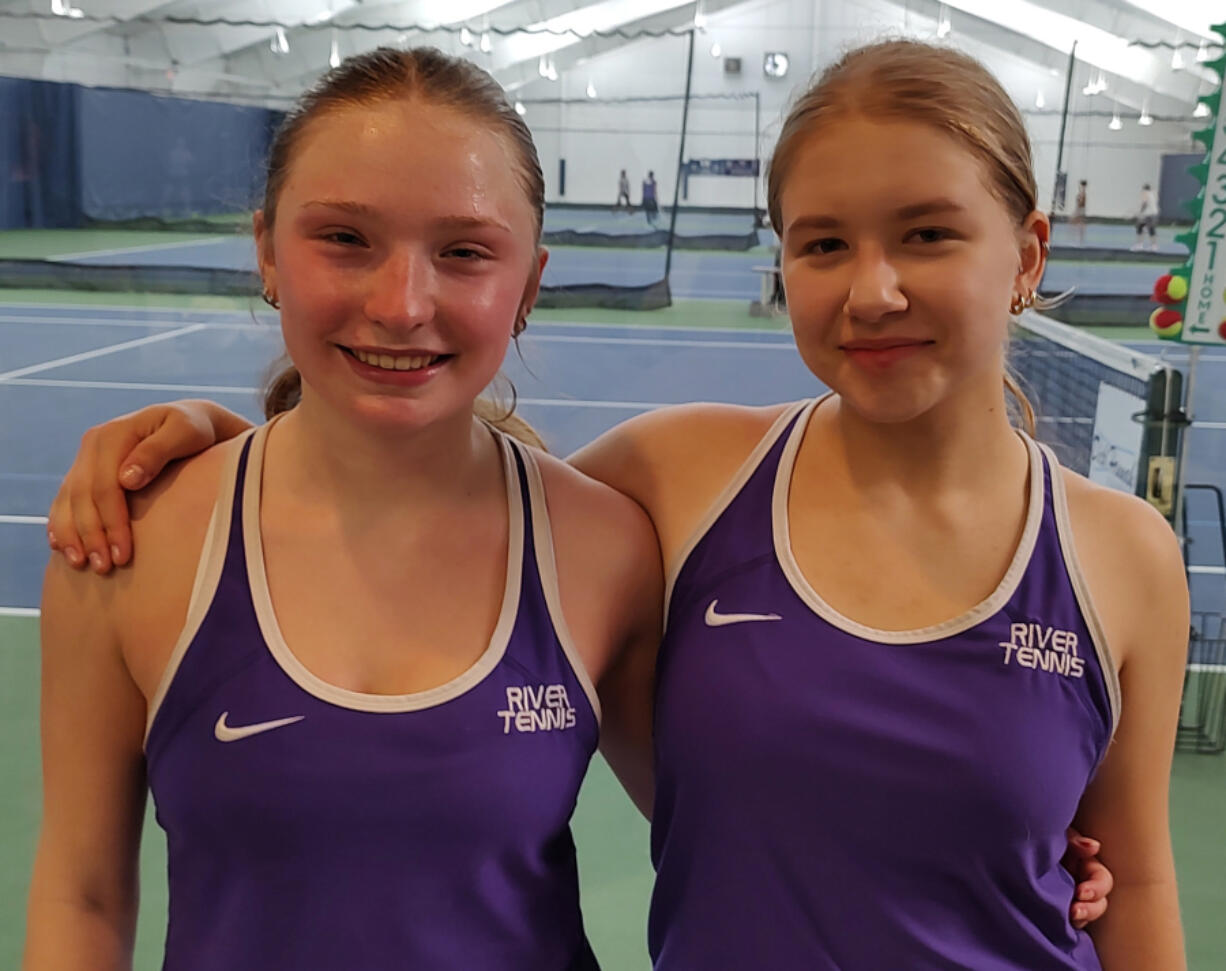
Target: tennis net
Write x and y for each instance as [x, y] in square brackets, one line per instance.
[1111, 413]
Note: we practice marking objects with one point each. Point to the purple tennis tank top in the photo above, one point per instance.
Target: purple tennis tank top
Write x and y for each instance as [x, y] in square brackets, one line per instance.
[312, 827]
[831, 796]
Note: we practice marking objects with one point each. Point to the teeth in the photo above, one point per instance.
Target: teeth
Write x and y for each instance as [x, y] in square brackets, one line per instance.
[390, 363]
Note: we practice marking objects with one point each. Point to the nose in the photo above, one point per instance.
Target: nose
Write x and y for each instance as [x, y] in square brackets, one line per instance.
[876, 289]
[401, 289]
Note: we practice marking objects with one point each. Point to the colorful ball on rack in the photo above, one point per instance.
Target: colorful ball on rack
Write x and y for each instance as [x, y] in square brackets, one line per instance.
[1170, 288]
[1166, 322]
[1221, 330]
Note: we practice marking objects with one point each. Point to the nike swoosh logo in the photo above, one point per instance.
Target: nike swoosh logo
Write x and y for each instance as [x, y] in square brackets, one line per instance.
[716, 619]
[226, 733]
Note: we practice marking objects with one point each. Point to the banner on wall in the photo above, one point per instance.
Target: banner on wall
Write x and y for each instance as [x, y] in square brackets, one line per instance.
[1192, 297]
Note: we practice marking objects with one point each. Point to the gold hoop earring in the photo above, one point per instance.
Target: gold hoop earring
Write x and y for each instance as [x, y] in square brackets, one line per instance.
[1020, 303]
[270, 298]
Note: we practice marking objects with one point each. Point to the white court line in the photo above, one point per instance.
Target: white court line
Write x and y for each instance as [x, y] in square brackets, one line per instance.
[144, 248]
[99, 352]
[658, 342]
[225, 389]
[24, 520]
[1217, 571]
[131, 386]
[583, 403]
[531, 338]
[19, 611]
[148, 324]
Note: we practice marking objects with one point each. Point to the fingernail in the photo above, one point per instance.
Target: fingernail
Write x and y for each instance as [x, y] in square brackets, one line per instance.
[74, 555]
[95, 560]
[115, 553]
[51, 538]
[1085, 893]
[1079, 913]
[132, 475]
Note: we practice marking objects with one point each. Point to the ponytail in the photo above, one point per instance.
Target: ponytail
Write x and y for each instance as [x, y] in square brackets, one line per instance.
[1022, 406]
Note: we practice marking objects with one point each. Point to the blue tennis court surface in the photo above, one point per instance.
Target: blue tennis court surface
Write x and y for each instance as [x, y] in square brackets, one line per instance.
[65, 368]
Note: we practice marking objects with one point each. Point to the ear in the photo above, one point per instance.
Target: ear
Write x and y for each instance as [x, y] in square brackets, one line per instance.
[533, 287]
[1033, 239]
[263, 250]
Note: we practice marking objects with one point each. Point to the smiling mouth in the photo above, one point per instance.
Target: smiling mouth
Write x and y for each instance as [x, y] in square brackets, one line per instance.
[396, 362]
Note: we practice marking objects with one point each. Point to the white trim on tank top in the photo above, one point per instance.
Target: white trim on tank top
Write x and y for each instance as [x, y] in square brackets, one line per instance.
[208, 574]
[726, 495]
[547, 570]
[947, 628]
[1064, 529]
[360, 700]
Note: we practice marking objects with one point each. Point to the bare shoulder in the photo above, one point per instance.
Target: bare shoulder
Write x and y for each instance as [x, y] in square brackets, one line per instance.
[668, 435]
[1132, 564]
[675, 461]
[170, 520]
[594, 513]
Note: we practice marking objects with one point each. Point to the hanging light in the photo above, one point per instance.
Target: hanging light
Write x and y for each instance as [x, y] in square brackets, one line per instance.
[542, 67]
[334, 56]
[466, 37]
[1202, 110]
[591, 90]
[944, 26]
[1176, 60]
[1039, 101]
[279, 43]
[700, 16]
[716, 50]
[486, 44]
[520, 109]
[1202, 53]
[1146, 118]
[1116, 124]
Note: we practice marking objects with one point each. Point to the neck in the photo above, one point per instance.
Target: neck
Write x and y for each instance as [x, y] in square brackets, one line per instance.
[966, 444]
[320, 457]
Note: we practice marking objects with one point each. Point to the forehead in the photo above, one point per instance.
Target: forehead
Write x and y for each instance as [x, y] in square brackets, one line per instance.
[866, 165]
[406, 150]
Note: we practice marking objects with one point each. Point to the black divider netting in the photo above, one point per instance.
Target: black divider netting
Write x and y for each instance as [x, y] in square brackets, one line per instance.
[1112, 432]
[63, 275]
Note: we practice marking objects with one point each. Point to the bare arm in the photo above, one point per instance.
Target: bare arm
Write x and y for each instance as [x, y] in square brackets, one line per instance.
[89, 519]
[1126, 805]
[627, 687]
[83, 895]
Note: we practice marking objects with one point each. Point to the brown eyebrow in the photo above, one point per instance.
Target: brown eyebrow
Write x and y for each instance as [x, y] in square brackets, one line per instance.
[357, 208]
[927, 208]
[450, 222]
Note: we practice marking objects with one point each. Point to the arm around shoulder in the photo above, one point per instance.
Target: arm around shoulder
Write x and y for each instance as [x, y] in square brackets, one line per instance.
[674, 461]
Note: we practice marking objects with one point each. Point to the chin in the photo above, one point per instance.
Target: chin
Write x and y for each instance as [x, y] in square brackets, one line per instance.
[885, 405]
